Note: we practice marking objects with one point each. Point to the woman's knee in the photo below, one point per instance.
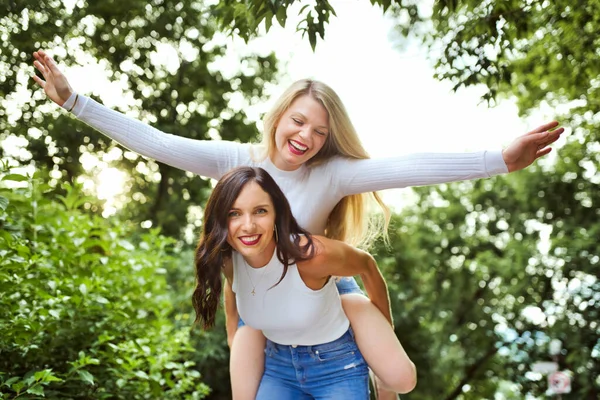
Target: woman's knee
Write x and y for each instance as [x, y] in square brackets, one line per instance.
[355, 301]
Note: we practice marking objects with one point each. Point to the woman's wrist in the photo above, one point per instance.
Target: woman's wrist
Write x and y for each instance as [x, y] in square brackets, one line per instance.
[74, 103]
[70, 103]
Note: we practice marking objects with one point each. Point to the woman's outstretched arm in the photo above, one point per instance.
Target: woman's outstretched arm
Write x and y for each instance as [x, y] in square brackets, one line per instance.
[352, 176]
[209, 158]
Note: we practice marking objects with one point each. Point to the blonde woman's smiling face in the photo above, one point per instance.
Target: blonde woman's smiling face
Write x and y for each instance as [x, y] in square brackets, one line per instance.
[301, 133]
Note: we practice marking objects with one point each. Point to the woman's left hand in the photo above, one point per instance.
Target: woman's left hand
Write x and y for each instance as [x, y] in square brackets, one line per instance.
[524, 150]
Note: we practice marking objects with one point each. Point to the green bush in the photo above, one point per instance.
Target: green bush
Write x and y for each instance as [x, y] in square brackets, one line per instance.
[211, 351]
[84, 303]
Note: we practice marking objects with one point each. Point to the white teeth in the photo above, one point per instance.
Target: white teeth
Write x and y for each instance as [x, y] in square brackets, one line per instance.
[249, 238]
[298, 146]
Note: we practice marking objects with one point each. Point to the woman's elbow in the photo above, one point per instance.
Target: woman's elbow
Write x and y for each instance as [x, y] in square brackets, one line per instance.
[410, 380]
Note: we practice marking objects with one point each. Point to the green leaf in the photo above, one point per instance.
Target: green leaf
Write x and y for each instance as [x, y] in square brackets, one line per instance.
[3, 203]
[10, 381]
[312, 38]
[304, 7]
[126, 245]
[36, 389]
[29, 378]
[281, 16]
[141, 375]
[86, 376]
[171, 365]
[46, 376]
[15, 178]
[17, 386]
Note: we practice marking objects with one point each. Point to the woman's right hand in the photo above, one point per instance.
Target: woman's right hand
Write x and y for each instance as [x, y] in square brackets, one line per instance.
[55, 84]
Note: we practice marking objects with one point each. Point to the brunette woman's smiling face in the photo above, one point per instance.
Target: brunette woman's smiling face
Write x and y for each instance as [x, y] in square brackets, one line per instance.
[301, 133]
[251, 221]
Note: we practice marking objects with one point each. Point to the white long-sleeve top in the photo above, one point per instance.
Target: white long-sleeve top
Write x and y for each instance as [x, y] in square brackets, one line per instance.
[312, 192]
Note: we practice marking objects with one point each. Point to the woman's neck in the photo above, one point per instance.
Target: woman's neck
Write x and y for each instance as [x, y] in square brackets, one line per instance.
[263, 258]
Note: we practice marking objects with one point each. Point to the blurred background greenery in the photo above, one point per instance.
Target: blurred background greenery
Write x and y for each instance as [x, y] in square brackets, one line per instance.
[482, 274]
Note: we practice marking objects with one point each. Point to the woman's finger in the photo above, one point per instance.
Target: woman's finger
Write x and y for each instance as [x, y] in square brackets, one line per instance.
[551, 137]
[46, 64]
[39, 81]
[38, 65]
[52, 67]
[545, 127]
[543, 138]
[37, 55]
[543, 152]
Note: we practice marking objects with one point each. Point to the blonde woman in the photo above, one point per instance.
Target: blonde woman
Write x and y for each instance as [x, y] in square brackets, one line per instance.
[314, 154]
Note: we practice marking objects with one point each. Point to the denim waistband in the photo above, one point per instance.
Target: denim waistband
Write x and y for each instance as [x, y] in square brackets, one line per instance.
[347, 337]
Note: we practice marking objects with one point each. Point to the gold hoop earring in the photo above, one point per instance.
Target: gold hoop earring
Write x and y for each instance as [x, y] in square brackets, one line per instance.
[276, 236]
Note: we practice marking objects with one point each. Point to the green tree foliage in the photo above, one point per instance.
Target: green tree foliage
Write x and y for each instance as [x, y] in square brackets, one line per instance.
[537, 50]
[187, 96]
[84, 305]
[543, 53]
[244, 18]
[482, 275]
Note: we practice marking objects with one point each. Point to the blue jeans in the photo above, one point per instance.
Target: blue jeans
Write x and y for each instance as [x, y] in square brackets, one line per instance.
[334, 370]
[347, 284]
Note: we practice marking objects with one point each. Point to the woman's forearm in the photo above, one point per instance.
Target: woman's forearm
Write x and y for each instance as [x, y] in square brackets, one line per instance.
[419, 169]
[377, 288]
[208, 158]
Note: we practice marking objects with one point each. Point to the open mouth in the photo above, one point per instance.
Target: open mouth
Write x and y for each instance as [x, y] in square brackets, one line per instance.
[249, 240]
[297, 148]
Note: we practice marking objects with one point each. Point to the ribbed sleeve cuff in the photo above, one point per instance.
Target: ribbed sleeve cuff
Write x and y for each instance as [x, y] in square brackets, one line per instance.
[69, 103]
[494, 163]
[81, 103]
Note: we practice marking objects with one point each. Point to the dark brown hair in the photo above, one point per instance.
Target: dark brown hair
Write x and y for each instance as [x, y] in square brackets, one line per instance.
[213, 249]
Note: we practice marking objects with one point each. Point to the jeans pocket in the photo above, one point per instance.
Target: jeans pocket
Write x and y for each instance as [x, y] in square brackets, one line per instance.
[335, 353]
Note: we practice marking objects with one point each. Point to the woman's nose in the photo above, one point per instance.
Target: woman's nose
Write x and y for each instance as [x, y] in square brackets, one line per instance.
[249, 222]
[305, 135]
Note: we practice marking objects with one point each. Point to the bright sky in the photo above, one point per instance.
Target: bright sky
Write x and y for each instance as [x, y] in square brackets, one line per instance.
[391, 95]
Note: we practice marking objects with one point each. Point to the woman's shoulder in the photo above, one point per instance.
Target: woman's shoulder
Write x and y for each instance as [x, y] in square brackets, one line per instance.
[319, 249]
[332, 163]
[328, 171]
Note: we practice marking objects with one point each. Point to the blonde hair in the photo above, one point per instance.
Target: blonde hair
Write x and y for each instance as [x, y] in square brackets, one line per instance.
[350, 220]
